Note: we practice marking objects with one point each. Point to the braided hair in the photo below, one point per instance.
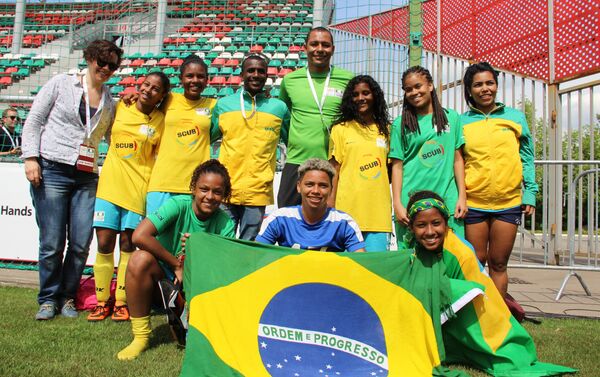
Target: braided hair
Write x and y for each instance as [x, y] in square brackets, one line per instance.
[409, 115]
[348, 110]
[215, 167]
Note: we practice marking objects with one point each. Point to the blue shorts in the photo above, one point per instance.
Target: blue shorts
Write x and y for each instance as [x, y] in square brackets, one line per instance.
[156, 199]
[511, 215]
[377, 241]
[111, 216]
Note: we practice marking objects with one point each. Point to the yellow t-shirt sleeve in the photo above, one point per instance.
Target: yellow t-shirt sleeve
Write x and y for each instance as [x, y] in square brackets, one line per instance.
[336, 143]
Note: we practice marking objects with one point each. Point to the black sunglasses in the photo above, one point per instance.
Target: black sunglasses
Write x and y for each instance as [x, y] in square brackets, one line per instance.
[13, 117]
[112, 66]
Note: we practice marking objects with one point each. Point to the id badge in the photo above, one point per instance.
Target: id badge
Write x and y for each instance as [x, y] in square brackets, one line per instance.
[85, 160]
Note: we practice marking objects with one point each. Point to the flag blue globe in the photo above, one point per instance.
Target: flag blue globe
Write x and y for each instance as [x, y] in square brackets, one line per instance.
[324, 330]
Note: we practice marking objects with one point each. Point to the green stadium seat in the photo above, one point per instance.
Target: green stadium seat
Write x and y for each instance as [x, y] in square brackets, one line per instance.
[112, 81]
[103, 148]
[115, 90]
[174, 80]
[225, 91]
[38, 63]
[169, 71]
[178, 90]
[289, 64]
[141, 71]
[209, 91]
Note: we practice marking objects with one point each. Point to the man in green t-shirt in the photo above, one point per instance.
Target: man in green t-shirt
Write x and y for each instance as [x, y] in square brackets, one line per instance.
[158, 236]
[313, 94]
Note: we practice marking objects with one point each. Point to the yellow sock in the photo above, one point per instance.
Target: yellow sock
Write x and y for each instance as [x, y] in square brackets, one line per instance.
[103, 273]
[140, 327]
[120, 297]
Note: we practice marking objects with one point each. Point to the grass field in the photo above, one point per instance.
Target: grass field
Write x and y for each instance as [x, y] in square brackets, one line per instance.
[66, 347]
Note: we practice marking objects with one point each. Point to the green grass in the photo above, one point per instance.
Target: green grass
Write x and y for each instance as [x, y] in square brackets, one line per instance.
[67, 347]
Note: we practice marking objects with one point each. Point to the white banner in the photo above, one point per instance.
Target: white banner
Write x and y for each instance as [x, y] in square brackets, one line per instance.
[19, 230]
[17, 217]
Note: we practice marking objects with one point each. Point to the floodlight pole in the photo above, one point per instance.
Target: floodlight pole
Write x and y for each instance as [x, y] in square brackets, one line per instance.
[161, 18]
[438, 47]
[17, 41]
[415, 27]
[318, 13]
[555, 199]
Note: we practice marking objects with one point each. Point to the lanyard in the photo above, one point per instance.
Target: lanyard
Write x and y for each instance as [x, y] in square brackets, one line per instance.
[88, 120]
[314, 92]
[242, 106]
[12, 141]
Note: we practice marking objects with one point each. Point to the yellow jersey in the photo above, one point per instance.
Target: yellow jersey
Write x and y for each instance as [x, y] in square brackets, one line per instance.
[185, 143]
[363, 187]
[131, 155]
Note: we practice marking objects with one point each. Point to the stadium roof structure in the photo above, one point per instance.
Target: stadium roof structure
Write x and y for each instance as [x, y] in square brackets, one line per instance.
[553, 41]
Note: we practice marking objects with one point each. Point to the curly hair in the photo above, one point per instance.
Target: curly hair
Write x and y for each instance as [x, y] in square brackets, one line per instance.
[415, 196]
[348, 109]
[470, 73]
[193, 59]
[102, 49]
[409, 115]
[215, 167]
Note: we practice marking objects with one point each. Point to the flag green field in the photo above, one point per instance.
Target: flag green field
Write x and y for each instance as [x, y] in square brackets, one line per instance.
[259, 310]
[484, 334]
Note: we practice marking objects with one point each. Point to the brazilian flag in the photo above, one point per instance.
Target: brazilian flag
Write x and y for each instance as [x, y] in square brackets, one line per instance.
[261, 310]
[484, 334]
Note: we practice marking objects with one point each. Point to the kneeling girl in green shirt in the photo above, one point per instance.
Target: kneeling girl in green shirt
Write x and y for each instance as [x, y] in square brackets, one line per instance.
[158, 238]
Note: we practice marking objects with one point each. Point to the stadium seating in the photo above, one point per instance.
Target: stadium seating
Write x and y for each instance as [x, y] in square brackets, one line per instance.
[221, 33]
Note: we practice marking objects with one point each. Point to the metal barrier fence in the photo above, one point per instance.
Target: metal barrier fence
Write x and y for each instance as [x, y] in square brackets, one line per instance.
[565, 126]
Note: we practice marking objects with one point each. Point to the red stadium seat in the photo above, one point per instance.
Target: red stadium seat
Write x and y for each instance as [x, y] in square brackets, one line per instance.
[176, 62]
[217, 80]
[272, 71]
[127, 81]
[218, 62]
[137, 63]
[256, 49]
[283, 72]
[234, 81]
[164, 62]
[129, 89]
[5, 81]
